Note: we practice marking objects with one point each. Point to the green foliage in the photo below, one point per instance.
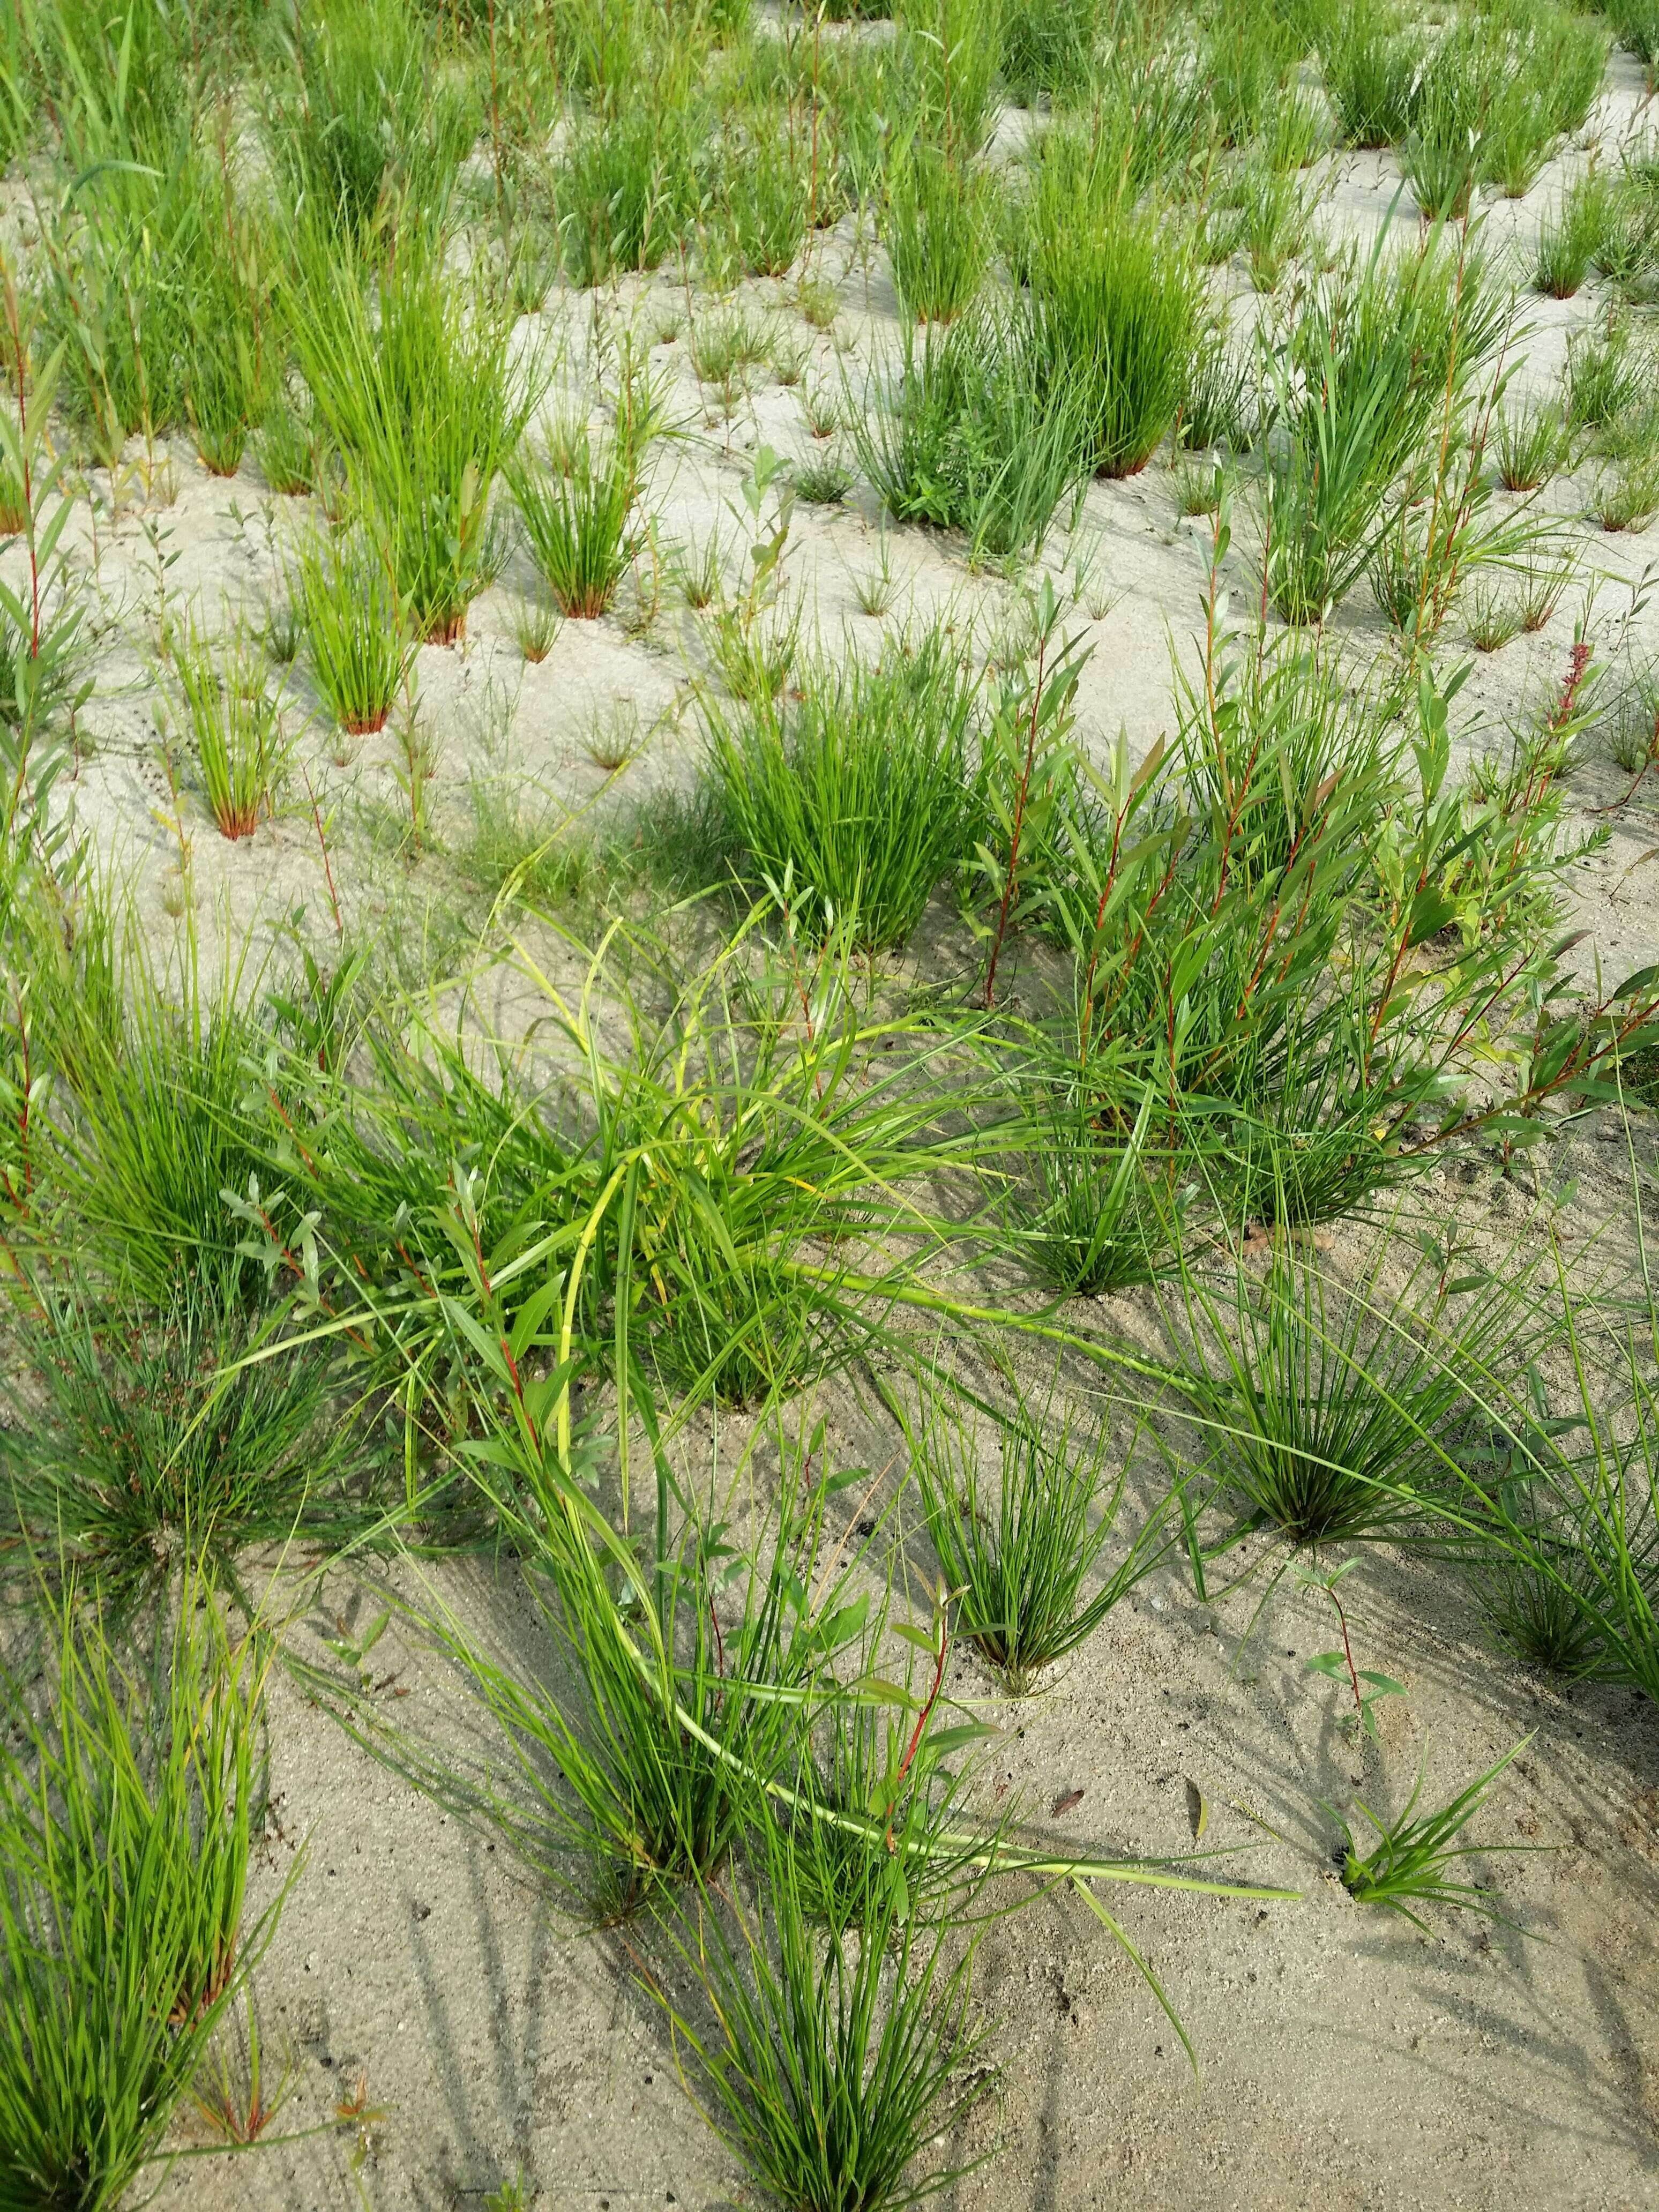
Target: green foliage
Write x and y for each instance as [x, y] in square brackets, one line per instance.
[1379, 348]
[1117, 297]
[44, 638]
[1028, 765]
[873, 1769]
[764, 187]
[151, 1130]
[1245, 61]
[1049, 46]
[579, 513]
[1635, 24]
[1331, 1413]
[158, 276]
[1482, 102]
[233, 726]
[1412, 1858]
[1530, 443]
[1605, 377]
[127, 1809]
[285, 448]
[968, 433]
[1371, 62]
[518, 848]
[935, 229]
[947, 58]
[627, 186]
[858, 791]
[356, 646]
[1222, 405]
[1081, 1203]
[649, 1774]
[1020, 1547]
[369, 120]
[830, 2065]
[715, 1166]
[191, 1430]
[1561, 1529]
[427, 403]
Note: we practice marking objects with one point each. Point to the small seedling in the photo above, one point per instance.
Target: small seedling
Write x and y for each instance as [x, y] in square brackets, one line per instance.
[873, 588]
[822, 406]
[1410, 1859]
[233, 2092]
[282, 631]
[789, 360]
[535, 622]
[286, 448]
[819, 303]
[1493, 616]
[1197, 488]
[1368, 1686]
[1543, 587]
[615, 737]
[726, 344]
[1530, 442]
[352, 1651]
[514, 2196]
[699, 570]
[1627, 493]
[822, 479]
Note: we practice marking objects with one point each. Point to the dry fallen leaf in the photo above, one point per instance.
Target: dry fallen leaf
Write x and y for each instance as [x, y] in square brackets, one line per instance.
[1198, 1811]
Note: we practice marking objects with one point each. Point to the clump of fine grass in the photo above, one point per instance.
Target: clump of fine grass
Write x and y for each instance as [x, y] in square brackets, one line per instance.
[358, 122]
[1380, 349]
[153, 1129]
[1118, 299]
[936, 231]
[866, 1776]
[615, 1797]
[1332, 1414]
[578, 509]
[161, 1433]
[1493, 615]
[285, 445]
[969, 432]
[356, 649]
[518, 849]
[1018, 1549]
[857, 793]
[1081, 1202]
[233, 724]
[1570, 241]
[128, 1808]
[1371, 59]
[1050, 46]
[1605, 375]
[1626, 494]
[1221, 406]
[1411, 1861]
[427, 403]
[835, 2061]
[1530, 443]
[822, 479]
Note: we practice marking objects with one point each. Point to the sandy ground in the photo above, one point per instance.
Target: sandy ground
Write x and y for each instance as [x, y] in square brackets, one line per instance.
[1347, 2060]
